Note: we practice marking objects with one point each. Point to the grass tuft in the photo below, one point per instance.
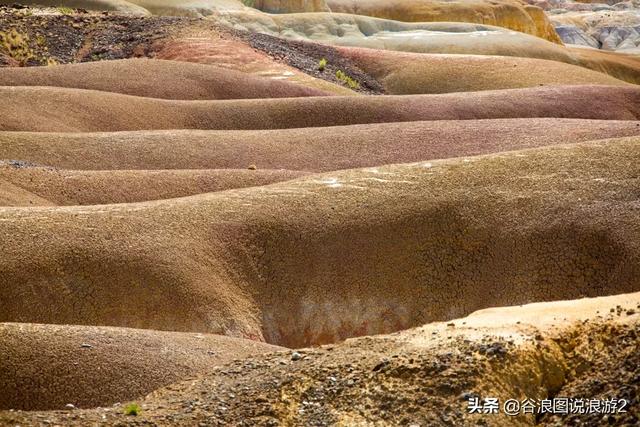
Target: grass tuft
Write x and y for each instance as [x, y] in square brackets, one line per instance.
[322, 64]
[132, 409]
[347, 80]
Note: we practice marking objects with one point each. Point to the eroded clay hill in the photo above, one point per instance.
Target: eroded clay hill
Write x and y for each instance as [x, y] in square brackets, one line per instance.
[513, 14]
[191, 190]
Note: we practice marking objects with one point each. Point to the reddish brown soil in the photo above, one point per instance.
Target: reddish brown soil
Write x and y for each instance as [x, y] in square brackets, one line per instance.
[47, 109]
[156, 79]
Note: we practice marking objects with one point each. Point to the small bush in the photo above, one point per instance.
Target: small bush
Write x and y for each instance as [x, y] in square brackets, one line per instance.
[322, 64]
[347, 80]
[132, 409]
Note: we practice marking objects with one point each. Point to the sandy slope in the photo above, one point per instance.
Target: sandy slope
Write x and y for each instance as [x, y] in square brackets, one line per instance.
[305, 149]
[49, 366]
[156, 79]
[290, 263]
[35, 186]
[409, 73]
[582, 348]
[74, 110]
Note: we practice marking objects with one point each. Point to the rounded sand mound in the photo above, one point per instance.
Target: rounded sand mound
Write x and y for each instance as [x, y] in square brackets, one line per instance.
[390, 247]
[408, 73]
[50, 366]
[41, 186]
[156, 79]
[46, 109]
[306, 149]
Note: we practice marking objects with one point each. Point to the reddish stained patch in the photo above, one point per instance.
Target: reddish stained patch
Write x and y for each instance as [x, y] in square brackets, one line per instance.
[216, 51]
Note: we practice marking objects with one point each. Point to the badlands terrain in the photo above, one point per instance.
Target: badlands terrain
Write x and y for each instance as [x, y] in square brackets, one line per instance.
[318, 212]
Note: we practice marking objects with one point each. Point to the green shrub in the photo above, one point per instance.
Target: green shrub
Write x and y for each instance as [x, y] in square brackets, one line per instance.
[132, 409]
[322, 64]
[347, 80]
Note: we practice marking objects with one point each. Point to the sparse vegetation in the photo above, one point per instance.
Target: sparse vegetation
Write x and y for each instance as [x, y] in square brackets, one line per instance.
[41, 40]
[65, 10]
[16, 45]
[322, 64]
[132, 409]
[347, 80]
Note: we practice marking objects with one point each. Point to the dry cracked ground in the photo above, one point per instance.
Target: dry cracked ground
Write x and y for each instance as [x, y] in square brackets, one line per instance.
[318, 212]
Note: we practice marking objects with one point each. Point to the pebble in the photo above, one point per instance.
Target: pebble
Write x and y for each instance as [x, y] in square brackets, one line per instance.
[85, 345]
[296, 356]
[70, 406]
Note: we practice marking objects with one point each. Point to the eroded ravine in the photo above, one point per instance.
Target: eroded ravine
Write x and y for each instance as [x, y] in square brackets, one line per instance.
[320, 259]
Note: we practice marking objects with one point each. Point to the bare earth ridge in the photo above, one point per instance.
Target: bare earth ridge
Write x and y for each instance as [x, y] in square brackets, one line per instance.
[302, 149]
[39, 109]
